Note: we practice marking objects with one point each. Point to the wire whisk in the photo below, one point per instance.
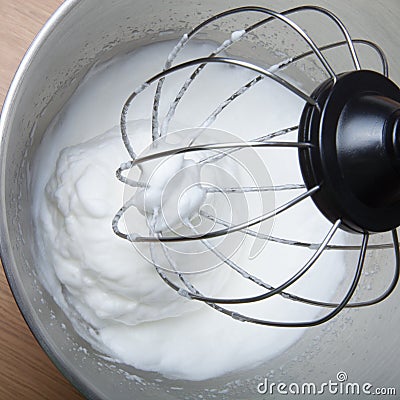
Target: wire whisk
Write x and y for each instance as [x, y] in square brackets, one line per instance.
[339, 147]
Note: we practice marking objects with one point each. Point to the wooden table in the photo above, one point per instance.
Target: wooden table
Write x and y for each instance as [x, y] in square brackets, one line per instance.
[25, 370]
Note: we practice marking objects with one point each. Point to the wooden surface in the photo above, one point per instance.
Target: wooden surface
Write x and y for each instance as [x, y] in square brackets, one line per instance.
[25, 370]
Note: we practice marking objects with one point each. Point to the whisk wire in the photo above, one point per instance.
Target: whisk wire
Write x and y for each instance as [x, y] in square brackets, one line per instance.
[216, 157]
[274, 15]
[297, 243]
[219, 146]
[193, 76]
[271, 290]
[221, 60]
[195, 294]
[368, 303]
[135, 238]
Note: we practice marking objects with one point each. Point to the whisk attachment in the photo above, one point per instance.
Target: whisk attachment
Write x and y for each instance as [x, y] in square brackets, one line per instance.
[348, 147]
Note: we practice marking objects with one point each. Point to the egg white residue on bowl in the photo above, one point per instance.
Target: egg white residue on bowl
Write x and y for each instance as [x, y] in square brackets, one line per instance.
[135, 317]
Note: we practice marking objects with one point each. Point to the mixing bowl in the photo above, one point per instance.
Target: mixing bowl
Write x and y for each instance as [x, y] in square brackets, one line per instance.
[362, 344]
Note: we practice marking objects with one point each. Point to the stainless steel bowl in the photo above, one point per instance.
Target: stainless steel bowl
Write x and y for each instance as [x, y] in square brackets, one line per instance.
[364, 344]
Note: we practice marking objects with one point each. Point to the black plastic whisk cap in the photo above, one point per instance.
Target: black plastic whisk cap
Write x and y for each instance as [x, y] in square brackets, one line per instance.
[355, 157]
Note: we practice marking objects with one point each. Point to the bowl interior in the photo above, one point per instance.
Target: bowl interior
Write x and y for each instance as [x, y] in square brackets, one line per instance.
[84, 33]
